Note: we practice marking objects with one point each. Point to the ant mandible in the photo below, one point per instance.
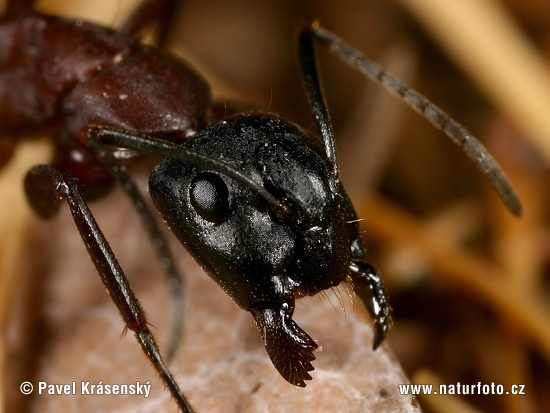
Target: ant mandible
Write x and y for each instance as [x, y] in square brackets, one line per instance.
[257, 201]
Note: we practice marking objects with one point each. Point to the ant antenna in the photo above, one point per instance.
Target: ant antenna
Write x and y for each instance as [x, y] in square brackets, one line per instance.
[316, 97]
[477, 153]
[146, 144]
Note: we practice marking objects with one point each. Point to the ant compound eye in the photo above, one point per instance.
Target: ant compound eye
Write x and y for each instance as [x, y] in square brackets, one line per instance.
[209, 196]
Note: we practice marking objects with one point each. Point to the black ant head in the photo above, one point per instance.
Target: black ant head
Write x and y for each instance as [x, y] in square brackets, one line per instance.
[262, 253]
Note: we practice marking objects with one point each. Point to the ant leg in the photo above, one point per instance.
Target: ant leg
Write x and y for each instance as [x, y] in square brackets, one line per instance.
[419, 103]
[45, 186]
[368, 285]
[157, 239]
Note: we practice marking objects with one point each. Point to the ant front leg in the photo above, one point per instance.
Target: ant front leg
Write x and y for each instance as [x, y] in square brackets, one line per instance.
[156, 237]
[45, 186]
[368, 285]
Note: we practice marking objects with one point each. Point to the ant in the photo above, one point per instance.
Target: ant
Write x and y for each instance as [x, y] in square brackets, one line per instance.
[255, 199]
